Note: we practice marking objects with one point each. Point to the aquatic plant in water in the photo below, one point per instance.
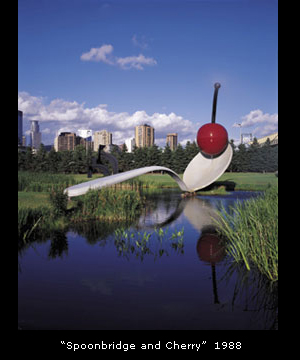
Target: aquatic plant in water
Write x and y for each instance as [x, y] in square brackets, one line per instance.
[251, 233]
[154, 243]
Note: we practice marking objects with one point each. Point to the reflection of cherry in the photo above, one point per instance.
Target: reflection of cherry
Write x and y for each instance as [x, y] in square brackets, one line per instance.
[211, 250]
[212, 138]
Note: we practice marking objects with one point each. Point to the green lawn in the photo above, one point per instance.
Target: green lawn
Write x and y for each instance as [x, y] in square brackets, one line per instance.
[32, 199]
[250, 181]
[243, 181]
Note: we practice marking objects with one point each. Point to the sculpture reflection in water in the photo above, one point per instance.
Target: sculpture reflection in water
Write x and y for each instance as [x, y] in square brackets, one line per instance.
[156, 238]
[211, 250]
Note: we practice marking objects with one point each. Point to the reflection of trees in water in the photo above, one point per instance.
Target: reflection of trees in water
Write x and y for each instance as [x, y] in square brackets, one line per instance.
[58, 245]
[98, 231]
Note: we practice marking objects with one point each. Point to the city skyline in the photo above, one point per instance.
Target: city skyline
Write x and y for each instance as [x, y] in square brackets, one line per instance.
[115, 65]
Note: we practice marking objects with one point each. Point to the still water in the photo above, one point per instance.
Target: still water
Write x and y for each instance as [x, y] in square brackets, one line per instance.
[165, 271]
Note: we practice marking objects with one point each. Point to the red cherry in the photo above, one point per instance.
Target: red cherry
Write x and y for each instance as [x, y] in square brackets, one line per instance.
[212, 138]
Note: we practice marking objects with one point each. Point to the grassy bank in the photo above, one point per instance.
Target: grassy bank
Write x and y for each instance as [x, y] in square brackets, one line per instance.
[50, 211]
[232, 181]
[250, 181]
[44, 182]
[251, 233]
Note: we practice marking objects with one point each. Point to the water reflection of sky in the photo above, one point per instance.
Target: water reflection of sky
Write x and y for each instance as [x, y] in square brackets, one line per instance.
[89, 285]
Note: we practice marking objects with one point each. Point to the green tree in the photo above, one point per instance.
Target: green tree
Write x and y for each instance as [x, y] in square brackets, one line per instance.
[179, 161]
[191, 150]
[140, 157]
[125, 159]
[29, 160]
[153, 155]
[66, 162]
[79, 163]
[167, 157]
[241, 158]
[232, 166]
[21, 160]
[53, 160]
[41, 159]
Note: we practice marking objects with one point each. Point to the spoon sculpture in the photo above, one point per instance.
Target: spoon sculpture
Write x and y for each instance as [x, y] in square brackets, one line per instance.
[206, 167]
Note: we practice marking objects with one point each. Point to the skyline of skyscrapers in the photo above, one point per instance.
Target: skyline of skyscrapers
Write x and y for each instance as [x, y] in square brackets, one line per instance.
[144, 137]
[35, 135]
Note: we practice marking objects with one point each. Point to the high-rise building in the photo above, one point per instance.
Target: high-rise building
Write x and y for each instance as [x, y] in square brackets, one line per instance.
[20, 127]
[130, 144]
[65, 141]
[102, 137]
[35, 135]
[172, 140]
[144, 135]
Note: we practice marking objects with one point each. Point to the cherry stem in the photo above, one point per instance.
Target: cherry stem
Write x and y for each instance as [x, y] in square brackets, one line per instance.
[214, 108]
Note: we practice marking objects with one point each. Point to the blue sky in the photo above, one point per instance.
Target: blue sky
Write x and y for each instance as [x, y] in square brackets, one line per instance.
[92, 64]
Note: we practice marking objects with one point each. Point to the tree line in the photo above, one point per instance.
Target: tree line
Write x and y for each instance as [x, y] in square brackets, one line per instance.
[253, 158]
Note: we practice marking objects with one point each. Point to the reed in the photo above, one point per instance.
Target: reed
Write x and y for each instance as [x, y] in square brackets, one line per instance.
[43, 182]
[29, 219]
[59, 201]
[251, 233]
[108, 204]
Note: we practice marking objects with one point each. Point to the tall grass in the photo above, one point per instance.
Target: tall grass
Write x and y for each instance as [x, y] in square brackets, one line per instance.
[251, 232]
[108, 204]
[28, 219]
[43, 182]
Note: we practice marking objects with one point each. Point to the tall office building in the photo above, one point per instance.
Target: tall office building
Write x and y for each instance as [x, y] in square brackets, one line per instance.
[102, 137]
[130, 144]
[35, 135]
[20, 127]
[172, 140]
[65, 141]
[144, 135]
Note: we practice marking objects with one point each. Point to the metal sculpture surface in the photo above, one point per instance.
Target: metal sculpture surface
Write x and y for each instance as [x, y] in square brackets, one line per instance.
[206, 167]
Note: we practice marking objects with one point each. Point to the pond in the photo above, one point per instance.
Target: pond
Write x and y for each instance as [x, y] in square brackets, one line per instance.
[166, 271]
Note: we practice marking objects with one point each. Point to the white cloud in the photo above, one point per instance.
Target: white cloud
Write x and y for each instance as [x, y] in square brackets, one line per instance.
[139, 42]
[265, 124]
[61, 115]
[104, 54]
[136, 62]
[99, 54]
